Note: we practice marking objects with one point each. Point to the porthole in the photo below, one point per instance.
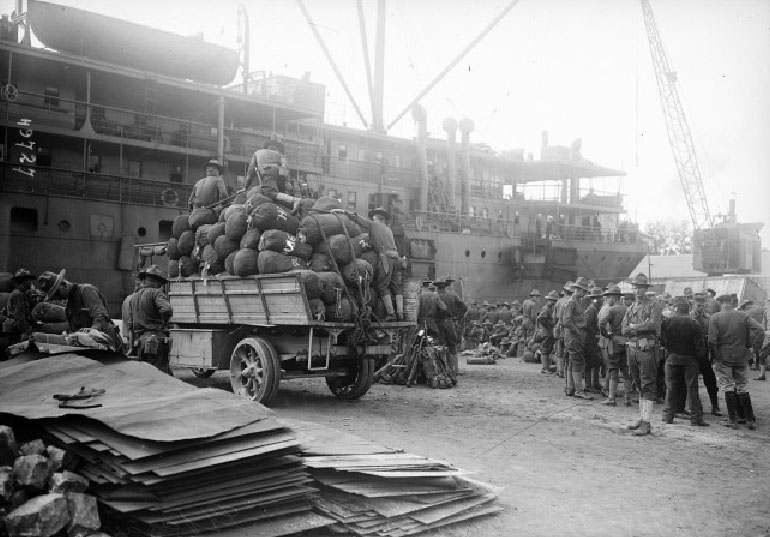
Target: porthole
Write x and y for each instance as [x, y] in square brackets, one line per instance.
[467, 253]
[141, 232]
[483, 254]
[64, 226]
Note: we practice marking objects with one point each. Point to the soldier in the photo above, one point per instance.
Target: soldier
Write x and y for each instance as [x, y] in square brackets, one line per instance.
[730, 335]
[18, 323]
[456, 309]
[641, 324]
[506, 314]
[699, 314]
[557, 332]
[610, 326]
[683, 339]
[757, 313]
[476, 334]
[573, 325]
[381, 239]
[150, 312]
[211, 189]
[591, 341]
[86, 306]
[264, 171]
[545, 322]
[712, 306]
[499, 331]
[529, 311]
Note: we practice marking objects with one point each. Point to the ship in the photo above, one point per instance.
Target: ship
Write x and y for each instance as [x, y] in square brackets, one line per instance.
[107, 125]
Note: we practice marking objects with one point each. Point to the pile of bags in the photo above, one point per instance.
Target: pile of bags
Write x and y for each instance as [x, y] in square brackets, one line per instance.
[333, 256]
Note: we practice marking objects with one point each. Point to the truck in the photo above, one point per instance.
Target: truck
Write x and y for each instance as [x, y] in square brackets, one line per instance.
[262, 330]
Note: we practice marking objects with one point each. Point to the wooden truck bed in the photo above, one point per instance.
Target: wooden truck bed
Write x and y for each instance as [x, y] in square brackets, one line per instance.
[265, 300]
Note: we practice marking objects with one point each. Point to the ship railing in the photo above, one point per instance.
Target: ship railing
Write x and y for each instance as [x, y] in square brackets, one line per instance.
[434, 221]
[374, 172]
[65, 183]
[70, 114]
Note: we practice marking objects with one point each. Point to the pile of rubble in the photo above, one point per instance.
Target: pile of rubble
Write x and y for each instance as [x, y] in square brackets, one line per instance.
[39, 495]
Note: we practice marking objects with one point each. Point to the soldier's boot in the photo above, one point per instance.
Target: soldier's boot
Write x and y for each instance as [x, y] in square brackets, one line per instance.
[569, 381]
[731, 402]
[612, 387]
[546, 361]
[714, 398]
[741, 417]
[400, 307]
[643, 428]
[577, 377]
[390, 315]
[596, 383]
[744, 402]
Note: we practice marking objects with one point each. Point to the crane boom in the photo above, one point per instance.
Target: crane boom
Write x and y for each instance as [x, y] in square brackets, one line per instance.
[679, 135]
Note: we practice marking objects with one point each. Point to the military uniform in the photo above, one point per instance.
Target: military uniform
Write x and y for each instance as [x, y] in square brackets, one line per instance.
[702, 317]
[456, 309]
[683, 338]
[545, 323]
[591, 338]
[210, 184]
[611, 327]
[557, 331]
[18, 322]
[529, 311]
[641, 324]
[730, 335]
[573, 324]
[149, 313]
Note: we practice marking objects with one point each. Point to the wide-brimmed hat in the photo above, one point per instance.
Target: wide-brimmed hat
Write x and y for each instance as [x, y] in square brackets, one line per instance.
[506, 303]
[500, 322]
[21, 275]
[516, 303]
[552, 295]
[640, 280]
[381, 211]
[216, 164]
[485, 303]
[568, 285]
[612, 289]
[581, 283]
[710, 290]
[595, 292]
[48, 282]
[535, 292]
[153, 271]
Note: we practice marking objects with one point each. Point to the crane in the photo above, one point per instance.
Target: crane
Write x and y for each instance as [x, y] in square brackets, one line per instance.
[679, 135]
[719, 248]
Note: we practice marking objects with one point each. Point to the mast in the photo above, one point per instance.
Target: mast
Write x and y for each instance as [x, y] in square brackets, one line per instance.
[378, 99]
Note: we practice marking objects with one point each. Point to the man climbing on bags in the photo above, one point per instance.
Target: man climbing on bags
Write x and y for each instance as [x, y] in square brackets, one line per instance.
[211, 189]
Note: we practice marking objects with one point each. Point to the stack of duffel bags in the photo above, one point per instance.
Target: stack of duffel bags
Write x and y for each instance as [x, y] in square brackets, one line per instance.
[329, 251]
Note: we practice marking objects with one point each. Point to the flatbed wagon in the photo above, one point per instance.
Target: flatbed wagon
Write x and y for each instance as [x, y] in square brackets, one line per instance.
[262, 329]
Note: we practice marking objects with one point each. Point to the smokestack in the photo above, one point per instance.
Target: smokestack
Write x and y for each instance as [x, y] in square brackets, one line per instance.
[450, 127]
[466, 126]
[421, 118]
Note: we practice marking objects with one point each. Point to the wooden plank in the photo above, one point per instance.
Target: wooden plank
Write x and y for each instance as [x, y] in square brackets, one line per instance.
[264, 303]
[195, 301]
[227, 302]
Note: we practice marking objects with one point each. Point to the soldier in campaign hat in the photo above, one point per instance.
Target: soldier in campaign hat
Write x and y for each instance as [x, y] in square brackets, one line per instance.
[641, 324]
[211, 189]
[610, 326]
[700, 314]
[573, 325]
[18, 323]
[150, 312]
[566, 292]
[529, 311]
[545, 323]
[593, 357]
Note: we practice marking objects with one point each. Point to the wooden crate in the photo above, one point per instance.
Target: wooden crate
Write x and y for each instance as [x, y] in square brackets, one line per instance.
[275, 299]
[202, 347]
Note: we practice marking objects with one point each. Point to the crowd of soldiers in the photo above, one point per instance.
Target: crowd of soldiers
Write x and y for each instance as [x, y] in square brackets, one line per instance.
[659, 345]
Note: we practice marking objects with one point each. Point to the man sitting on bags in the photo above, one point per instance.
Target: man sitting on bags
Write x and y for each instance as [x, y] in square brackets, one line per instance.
[149, 313]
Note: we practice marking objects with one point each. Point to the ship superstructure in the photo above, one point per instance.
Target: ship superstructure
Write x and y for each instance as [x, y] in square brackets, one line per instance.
[101, 148]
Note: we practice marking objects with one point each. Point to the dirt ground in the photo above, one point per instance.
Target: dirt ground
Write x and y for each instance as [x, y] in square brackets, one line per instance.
[565, 467]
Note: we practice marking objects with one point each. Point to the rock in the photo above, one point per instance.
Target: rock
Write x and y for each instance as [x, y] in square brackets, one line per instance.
[35, 447]
[58, 459]
[32, 471]
[9, 450]
[6, 483]
[67, 481]
[83, 512]
[42, 516]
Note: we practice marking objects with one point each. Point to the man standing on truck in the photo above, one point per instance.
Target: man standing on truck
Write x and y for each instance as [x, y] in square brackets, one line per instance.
[381, 239]
[211, 189]
[264, 171]
[86, 306]
[149, 313]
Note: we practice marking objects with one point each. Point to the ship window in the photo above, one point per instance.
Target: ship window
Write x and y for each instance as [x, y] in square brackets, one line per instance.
[397, 161]
[342, 152]
[43, 156]
[352, 200]
[361, 155]
[499, 256]
[134, 168]
[175, 175]
[485, 213]
[141, 231]
[164, 230]
[23, 220]
[51, 97]
[483, 254]
[64, 226]
[467, 253]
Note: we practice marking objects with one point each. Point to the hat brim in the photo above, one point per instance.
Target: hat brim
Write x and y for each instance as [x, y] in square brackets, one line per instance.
[576, 286]
[386, 214]
[613, 293]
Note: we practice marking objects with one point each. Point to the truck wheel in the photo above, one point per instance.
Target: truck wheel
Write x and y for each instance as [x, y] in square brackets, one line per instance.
[356, 384]
[202, 373]
[255, 370]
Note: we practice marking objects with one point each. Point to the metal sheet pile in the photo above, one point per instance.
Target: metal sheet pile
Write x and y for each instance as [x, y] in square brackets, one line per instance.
[373, 490]
[245, 471]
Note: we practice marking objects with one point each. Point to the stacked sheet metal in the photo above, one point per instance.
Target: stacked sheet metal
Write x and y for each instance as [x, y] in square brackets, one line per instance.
[373, 490]
[169, 478]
